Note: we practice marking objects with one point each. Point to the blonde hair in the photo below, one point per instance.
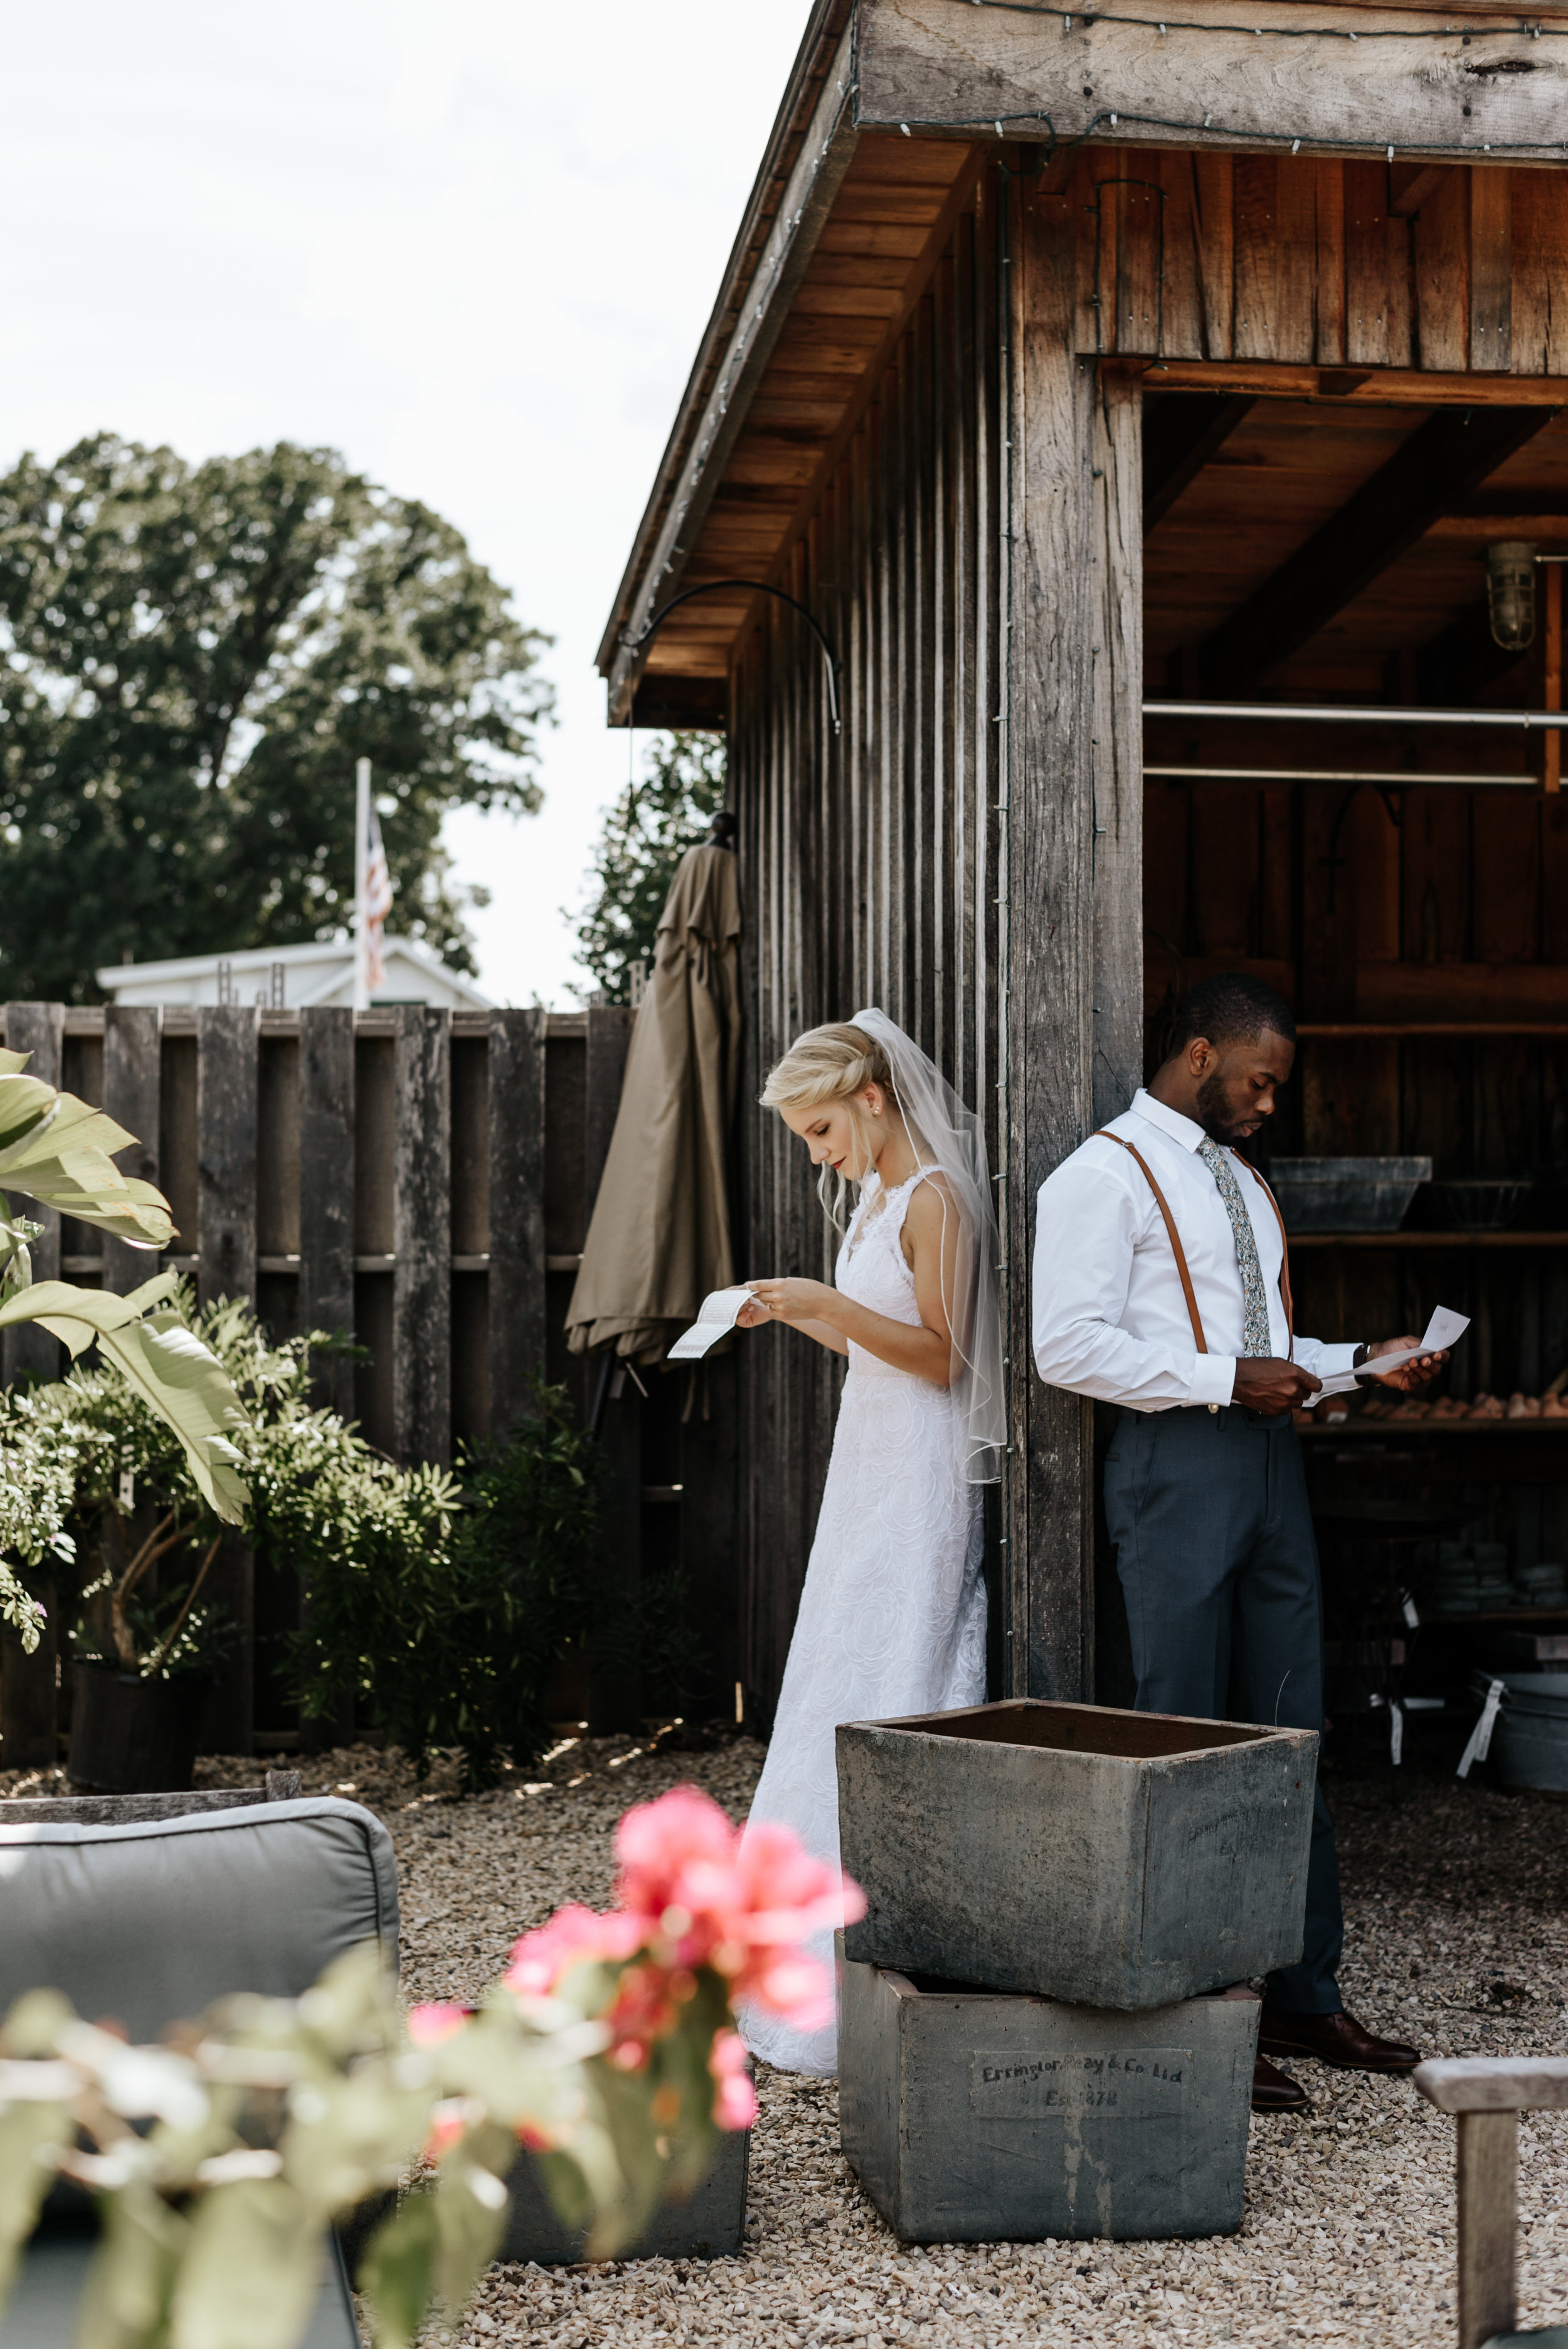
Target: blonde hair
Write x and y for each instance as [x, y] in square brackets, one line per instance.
[824, 1065]
[827, 1064]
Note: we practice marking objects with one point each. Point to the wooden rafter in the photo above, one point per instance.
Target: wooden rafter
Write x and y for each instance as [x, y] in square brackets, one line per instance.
[1445, 460]
[1181, 435]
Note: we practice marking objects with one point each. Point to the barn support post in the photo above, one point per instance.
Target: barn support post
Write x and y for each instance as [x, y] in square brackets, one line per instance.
[1072, 794]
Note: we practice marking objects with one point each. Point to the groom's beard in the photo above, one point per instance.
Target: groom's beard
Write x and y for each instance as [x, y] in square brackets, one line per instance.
[1216, 1115]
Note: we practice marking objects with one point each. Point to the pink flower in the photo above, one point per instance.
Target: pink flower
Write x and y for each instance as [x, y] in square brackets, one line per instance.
[735, 2101]
[446, 2125]
[429, 2025]
[574, 1937]
[709, 1896]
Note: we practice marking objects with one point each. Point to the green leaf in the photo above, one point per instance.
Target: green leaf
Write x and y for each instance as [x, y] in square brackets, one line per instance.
[470, 2214]
[62, 1157]
[395, 2273]
[25, 2133]
[173, 1373]
[253, 2271]
[131, 2280]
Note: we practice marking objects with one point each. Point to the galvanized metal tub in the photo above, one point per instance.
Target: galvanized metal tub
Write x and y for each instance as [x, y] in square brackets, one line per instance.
[1530, 1742]
[1076, 1851]
[971, 2116]
[1346, 1194]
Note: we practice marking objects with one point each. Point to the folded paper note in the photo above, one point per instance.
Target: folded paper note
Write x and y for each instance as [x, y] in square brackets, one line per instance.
[1444, 1331]
[715, 1314]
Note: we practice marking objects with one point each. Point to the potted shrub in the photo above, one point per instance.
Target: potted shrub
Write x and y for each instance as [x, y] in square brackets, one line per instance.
[56, 1149]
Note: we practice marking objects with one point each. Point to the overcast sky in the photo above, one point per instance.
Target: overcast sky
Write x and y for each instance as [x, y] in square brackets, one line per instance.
[471, 245]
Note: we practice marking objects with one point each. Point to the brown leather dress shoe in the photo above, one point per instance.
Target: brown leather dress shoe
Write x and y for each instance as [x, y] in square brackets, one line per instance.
[1334, 2039]
[1275, 2092]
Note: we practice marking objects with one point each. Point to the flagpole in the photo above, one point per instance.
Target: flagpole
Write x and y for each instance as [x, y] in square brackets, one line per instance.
[361, 860]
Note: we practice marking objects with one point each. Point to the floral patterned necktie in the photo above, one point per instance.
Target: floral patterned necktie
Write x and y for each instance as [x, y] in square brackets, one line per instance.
[1255, 1335]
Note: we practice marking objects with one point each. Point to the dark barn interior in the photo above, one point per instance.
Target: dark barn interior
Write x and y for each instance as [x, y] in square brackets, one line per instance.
[1318, 553]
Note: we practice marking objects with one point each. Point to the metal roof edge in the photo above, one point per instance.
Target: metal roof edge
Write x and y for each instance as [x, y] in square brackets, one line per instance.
[824, 29]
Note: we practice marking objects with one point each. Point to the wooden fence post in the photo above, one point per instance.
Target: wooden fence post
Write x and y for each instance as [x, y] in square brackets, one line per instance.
[29, 1699]
[422, 1238]
[326, 1138]
[133, 1097]
[37, 1029]
[226, 1091]
[226, 1055]
[516, 1248]
[614, 1678]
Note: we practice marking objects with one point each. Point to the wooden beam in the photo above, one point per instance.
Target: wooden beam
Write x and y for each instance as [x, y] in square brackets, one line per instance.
[1382, 387]
[1181, 435]
[1220, 79]
[1410, 184]
[1047, 983]
[1445, 458]
[824, 158]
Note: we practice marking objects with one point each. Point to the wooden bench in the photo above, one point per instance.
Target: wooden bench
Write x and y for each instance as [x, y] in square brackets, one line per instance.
[1488, 2093]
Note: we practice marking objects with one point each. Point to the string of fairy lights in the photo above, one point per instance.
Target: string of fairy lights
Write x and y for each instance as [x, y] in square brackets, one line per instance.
[1038, 122]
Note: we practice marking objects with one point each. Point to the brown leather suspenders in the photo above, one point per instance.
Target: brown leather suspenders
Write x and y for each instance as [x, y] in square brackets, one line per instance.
[1104, 1133]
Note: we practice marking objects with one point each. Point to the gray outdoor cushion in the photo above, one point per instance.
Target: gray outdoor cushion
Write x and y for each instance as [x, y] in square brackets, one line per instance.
[41, 2313]
[150, 1923]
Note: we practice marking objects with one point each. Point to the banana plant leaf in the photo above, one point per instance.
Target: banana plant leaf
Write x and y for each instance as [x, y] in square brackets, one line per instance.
[168, 1367]
[58, 1150]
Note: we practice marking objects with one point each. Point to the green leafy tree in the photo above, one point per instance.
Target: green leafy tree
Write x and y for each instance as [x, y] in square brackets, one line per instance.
[645, 834]
[192, 659]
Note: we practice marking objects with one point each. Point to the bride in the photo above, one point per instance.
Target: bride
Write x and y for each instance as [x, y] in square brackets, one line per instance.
[892, 1614]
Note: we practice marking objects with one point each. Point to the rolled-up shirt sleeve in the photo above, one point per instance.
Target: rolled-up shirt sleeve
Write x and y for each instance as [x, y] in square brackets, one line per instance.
[1088, 1225]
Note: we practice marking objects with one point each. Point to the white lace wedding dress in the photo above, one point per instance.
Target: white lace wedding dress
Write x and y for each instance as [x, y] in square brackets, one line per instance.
[892, 1615]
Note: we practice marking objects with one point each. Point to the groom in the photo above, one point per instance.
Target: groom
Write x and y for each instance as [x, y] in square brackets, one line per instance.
[1158, 1259]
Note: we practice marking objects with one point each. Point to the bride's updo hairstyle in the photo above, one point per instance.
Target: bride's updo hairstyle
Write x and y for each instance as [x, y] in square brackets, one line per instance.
[829, 1064]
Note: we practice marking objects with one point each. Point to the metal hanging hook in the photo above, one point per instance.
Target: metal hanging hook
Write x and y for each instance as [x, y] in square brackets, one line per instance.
[757, 587]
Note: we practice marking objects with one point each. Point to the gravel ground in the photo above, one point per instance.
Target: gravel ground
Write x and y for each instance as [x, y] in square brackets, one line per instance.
[1457, 1937]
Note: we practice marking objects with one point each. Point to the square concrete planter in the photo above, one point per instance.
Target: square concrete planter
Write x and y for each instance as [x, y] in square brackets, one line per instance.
[974, 2117]
[1075, 1851]
[709, 2225]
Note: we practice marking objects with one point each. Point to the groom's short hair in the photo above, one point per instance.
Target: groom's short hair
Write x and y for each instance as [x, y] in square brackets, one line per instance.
[1232, 1007]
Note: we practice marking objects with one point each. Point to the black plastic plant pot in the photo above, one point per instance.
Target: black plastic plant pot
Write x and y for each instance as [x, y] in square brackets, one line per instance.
[131, 1736]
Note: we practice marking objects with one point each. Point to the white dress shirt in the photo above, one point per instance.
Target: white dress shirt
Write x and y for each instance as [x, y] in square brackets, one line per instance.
[1109, 1316]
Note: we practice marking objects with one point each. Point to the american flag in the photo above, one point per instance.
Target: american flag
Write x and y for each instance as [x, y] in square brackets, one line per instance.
[376, 883]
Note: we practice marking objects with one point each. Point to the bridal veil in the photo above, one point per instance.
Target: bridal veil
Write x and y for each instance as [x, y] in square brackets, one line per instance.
[946, 1136]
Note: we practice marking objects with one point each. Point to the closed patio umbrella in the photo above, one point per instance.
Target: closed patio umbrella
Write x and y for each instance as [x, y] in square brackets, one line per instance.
[660, 1236]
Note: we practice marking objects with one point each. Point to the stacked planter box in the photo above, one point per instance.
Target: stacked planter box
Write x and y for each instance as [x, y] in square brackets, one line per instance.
[1030, 2041]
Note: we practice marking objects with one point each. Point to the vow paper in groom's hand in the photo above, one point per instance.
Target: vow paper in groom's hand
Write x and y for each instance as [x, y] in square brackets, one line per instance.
[1444, 1331]
[715, 1314]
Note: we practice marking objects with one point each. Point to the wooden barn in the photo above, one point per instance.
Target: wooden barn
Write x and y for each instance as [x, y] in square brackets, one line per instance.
[1095, 470]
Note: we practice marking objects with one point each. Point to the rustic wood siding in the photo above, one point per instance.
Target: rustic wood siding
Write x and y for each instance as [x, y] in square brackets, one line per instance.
[868, 861]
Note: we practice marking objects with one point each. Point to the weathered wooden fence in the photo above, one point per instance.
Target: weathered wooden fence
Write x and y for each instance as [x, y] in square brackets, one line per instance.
[420, 1178]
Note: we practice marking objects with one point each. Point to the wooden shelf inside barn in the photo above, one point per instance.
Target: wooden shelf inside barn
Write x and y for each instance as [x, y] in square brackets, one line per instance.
[1465, 1030]
[1355, 1431]
[1428, 1240]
